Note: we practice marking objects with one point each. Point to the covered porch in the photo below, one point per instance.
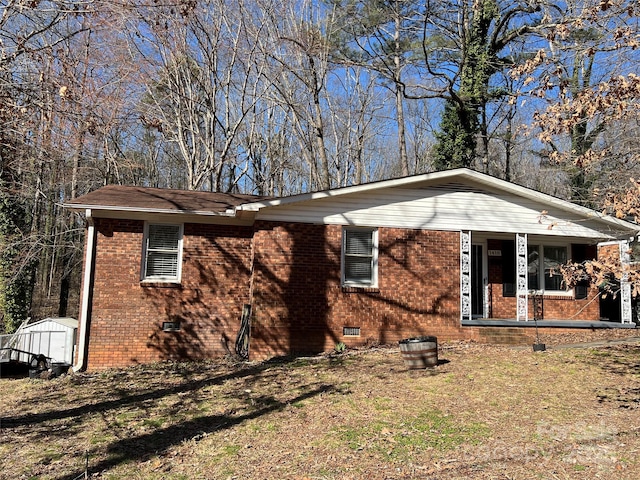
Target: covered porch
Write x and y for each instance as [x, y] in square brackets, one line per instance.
[511, 280]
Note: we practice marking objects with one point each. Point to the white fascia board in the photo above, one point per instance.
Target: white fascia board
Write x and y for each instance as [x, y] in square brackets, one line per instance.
[230, 217]
[108, 208]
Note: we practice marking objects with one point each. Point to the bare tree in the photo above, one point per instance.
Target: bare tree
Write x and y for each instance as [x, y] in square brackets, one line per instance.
[203, 80]
[296, 49]
[383, 35]
[590, 44]
[31, 36]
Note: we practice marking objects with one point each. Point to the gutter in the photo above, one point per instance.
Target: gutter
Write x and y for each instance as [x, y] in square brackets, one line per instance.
[172, 211]
[87, 284]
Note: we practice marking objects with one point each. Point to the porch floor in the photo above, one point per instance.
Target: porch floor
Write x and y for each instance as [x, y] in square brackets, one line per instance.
[591, 324]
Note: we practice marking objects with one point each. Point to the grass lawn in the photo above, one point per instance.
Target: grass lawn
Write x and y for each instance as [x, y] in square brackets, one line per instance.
[484, 412]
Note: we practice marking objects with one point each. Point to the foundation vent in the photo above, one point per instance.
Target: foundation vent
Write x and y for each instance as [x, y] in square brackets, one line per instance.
[171, 326]
[351, 331]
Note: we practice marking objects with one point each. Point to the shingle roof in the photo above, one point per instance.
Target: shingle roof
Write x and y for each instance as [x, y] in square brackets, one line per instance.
[118, 197]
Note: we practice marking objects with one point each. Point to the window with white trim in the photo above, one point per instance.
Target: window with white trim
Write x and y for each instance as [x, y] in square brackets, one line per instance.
[360, 257]
[544, 261]
[162, 252]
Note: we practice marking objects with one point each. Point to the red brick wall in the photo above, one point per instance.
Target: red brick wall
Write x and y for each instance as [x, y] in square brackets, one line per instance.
[299, 305]
[127, 316]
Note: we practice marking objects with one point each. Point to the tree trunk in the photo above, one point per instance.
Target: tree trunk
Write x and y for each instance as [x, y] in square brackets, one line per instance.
[402, 141]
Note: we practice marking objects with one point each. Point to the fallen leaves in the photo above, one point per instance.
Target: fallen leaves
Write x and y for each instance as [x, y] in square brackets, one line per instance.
[488, 411]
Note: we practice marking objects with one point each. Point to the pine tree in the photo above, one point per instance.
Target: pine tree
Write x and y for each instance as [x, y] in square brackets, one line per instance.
[456, 140]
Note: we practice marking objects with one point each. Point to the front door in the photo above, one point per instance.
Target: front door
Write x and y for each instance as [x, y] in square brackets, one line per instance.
[477, 281]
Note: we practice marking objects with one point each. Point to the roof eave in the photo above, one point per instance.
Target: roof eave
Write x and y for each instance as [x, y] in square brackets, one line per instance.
[150, 211]
[434, 176]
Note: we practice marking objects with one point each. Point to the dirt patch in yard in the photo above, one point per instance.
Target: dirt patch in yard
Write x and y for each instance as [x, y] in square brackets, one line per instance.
[483, 412]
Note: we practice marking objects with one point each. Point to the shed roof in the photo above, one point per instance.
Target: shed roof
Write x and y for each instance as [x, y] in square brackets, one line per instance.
[64, 321]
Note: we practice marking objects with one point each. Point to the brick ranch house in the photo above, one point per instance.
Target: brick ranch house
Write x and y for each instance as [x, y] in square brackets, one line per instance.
[455, 254]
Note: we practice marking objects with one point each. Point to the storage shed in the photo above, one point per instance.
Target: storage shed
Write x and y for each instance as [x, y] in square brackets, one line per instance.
[55, 338]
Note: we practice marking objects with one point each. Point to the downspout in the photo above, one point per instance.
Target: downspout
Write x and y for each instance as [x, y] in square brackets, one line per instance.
[87, 282]
[252, 273]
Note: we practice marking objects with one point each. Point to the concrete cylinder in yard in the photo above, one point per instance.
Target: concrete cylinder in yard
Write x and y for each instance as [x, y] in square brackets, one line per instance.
[419, 352]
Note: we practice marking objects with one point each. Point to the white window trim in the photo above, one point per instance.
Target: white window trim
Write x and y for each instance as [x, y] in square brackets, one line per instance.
[143, 269]
[542, 291]
[374, 273]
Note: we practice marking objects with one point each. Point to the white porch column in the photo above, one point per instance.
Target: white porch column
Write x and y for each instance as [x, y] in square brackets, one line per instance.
[522, 278]
[626, 315]
[465, 275]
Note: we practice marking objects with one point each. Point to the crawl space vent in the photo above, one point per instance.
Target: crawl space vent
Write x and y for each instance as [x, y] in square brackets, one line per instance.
[171, 326]
[351, 331]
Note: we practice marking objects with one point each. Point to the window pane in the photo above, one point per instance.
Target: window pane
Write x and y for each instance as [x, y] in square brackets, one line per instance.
[553, 258]
[359, 242]
[358, 269]
[161, 264]
[164, 237]
[553, 282]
